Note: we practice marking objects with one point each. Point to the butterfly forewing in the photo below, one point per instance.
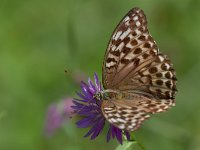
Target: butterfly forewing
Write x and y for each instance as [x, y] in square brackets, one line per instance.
[133, 65]
[129, 43]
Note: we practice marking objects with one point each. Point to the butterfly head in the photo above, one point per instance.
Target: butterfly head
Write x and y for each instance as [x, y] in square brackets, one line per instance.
[98, 96]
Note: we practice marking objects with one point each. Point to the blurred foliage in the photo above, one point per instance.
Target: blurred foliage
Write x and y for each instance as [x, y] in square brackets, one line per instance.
[40, 39]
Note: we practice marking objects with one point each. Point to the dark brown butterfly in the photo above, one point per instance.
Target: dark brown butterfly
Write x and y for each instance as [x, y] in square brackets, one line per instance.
[137, 78]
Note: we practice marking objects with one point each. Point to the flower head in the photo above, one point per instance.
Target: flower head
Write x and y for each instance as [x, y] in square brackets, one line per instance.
[57, 114]
[90, 109]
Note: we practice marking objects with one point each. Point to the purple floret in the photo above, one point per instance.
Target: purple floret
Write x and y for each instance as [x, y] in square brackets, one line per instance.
[90, 109]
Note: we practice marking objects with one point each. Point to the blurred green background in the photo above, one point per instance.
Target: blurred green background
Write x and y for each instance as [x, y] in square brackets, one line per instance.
[40, 39]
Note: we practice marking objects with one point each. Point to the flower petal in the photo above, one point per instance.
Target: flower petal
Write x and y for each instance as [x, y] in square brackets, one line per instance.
[128, 136]
[119, 135]
[83, 98]
[91, 85]
[97, 127]
[86, 122]
[86, 91]
[109, 134]
[90, 109]
[96, 79]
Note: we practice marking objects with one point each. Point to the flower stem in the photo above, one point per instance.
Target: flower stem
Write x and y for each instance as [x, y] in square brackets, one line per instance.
[137, 142]
[131, 144]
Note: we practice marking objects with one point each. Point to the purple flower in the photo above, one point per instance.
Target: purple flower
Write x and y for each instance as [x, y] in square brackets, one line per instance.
[90, 109]
[57, 114]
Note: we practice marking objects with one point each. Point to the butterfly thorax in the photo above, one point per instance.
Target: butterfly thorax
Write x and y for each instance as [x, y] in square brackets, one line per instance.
[110, 94]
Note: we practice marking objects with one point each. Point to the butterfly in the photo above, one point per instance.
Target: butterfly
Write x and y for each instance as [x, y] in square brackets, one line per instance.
[138, 80]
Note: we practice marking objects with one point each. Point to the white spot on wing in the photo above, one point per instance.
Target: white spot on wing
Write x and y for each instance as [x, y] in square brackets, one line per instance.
[138, 23]
[133, 120]
[129, 56]
[117, 115]
[159, 110]
[135, 18]
[137, 32]
[130, 36]
[167, 65]
[108, 108]
[161, 58]
[113, 120]
[121, 126]
[120, 46]
[116, 36]
[125, 34]
[129, 45]
[131, 126]
[113, 48]
[126, 19]
[127, 23]
[110, 64]
[120, 120]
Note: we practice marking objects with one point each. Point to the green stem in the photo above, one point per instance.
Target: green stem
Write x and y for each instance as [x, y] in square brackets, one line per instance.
[131, 145]
[137, 142]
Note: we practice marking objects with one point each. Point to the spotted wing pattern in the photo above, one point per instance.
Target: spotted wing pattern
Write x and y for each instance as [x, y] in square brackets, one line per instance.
[129, 114]
[129, 42]
[134, 65]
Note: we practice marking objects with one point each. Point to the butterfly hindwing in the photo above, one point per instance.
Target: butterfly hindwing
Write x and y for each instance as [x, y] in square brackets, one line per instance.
[161, 76]
[157, 78]
[130, 114]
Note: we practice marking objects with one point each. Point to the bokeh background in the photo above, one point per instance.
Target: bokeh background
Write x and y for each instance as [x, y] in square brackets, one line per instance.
[41, 39]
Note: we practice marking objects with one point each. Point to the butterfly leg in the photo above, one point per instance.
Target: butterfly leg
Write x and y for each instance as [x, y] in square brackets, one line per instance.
[97, 102]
